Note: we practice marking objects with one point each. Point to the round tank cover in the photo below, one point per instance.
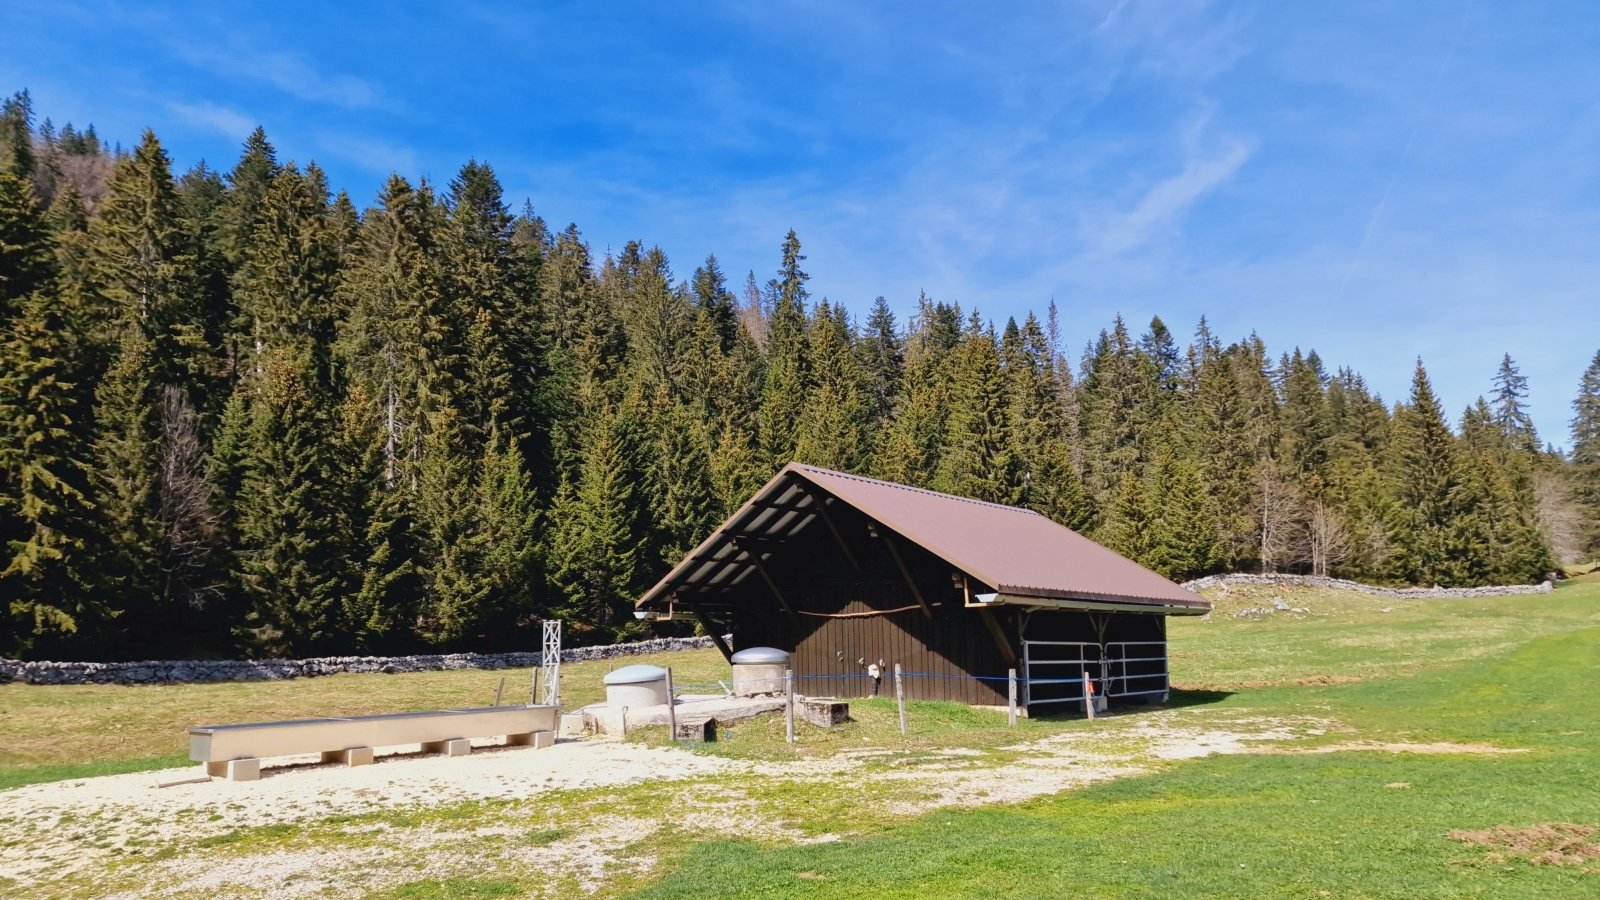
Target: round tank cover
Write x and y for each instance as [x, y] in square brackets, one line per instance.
[757, 656]
[636, 675]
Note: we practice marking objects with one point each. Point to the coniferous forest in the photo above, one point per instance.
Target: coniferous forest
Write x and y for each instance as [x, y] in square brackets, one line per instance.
[244, 415]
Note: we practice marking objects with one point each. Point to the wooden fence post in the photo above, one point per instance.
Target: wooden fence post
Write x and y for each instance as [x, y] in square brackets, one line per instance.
[788, 708]
[672, 709]
[1011, 683]
[900, 698]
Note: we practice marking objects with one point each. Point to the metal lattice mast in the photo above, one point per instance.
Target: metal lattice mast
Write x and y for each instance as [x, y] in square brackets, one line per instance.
[550, 663]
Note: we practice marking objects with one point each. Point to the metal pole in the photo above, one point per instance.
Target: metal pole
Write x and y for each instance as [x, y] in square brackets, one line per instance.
[1012, 685]
[1088, 693]
[788, 710]
[672, 708]
[900, 698]
[624, 721]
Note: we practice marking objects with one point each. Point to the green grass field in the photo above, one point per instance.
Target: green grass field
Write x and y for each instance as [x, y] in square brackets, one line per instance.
[1354, 824]
[1513, 674]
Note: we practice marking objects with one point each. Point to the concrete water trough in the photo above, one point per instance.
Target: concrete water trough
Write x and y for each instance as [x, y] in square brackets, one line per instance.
[236, 751]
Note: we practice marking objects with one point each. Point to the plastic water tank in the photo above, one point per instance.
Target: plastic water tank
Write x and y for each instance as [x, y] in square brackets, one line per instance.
[636, 687]
[759, 670]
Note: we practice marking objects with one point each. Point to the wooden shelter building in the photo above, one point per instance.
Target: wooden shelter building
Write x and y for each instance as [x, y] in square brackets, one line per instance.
[846, 572]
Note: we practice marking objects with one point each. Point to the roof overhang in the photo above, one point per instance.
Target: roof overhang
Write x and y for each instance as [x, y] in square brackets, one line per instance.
[797, 499]
[1087, 604]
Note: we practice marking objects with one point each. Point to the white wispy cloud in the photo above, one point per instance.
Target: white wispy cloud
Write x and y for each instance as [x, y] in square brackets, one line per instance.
[210, 115]
[1166, 202]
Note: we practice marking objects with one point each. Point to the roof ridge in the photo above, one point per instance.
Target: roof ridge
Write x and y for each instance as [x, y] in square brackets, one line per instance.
[915, 490]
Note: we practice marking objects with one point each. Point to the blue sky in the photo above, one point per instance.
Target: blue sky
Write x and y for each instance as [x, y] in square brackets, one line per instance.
[1376, 180]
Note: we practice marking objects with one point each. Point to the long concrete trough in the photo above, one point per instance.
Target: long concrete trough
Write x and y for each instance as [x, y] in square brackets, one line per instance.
[236, 751]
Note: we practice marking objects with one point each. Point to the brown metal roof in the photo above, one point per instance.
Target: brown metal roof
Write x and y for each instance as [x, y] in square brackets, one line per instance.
[1017, 551]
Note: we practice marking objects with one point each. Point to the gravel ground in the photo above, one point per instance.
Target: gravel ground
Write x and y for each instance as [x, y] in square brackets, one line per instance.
[80, 829]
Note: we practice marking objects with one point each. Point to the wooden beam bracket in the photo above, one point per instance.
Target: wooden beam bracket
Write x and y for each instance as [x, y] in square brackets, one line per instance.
[910, 582]
[821, 503]
[999, 635]
[711, 629]
[755, 557]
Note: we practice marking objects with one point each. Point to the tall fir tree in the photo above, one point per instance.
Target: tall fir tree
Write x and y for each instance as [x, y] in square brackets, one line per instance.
[46, 519]
[788, 374]
[1510, 408]
[1586, 447]
[979, 461]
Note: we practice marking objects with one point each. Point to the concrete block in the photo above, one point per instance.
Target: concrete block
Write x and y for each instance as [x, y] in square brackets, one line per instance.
[696, 729]
[353, 756]
[824, 713]
[573, 725]
[457, 747]
[244, 770]
[542, 739]
[217, 769]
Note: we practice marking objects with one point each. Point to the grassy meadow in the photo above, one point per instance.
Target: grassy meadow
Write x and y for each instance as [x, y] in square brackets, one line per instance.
[1364, 809]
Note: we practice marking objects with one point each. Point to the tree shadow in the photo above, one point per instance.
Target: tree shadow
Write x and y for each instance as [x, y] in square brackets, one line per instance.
[1177, 699]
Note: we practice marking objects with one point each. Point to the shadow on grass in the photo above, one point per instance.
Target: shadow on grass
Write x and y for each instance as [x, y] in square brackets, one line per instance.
[20, 776]
[1178, 699]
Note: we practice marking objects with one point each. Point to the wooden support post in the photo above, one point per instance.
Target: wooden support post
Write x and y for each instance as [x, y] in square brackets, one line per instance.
[672, 708]
[910, 582]
[1012, 685]
[499, 690]
[533, 696]
[711, 629]
[788, 707]
[755, 557]
[822, 507]
[900, 698]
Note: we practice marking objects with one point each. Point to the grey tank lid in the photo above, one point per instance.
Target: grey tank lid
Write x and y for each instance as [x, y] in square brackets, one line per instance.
[636, 675]
[757, 656]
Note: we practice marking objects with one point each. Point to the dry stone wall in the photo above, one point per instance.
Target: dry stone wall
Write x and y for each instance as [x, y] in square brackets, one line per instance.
[1339, 584]
[185, 671]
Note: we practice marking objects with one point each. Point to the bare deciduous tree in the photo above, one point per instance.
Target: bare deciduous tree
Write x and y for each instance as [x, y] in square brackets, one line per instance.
[1562, 521]
[189, 517]
[1326, 539]
[1277, 509]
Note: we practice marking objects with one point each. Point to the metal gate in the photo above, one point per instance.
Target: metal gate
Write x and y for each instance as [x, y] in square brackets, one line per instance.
[1054, 671]
[1136, 669]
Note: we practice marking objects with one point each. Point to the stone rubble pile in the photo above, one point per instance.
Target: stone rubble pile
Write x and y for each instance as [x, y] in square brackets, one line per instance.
[185, 671]
[1340, 584]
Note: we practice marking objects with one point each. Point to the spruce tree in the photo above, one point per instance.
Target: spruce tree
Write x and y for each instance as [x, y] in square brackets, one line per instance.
[1119, 394]
[248, 184]
[783, 396]
[594, 552]
[1427, 480]
[1182, 543]
[294, 553]
[1586, 447]
[1126, 525]
[715, 304]
[979, 461]
[16, 136]
[46, 518]
[1510, 408]
[833, 431]
[883, 362]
